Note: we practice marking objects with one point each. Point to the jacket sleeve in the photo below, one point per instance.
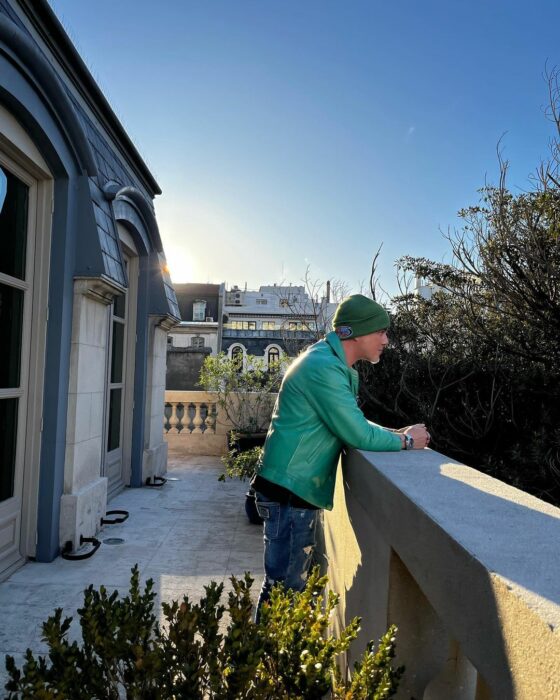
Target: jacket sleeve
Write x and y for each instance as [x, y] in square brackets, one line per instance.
[334, 402]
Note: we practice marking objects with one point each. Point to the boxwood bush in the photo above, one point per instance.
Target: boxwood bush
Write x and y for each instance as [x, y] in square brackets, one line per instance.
[204, 649]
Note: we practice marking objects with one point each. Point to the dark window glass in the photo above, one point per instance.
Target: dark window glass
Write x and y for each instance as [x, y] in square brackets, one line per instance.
[117, 353]
[273, 356]
[114, 436]
[119, 305]
[8, 423]
[13, 225]
[11, 320]
[237, 357]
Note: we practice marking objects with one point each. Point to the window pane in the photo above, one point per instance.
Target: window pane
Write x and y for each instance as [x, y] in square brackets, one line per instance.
[8, 421]
[119, 305]
[237, 356]
[13, 225]
[199, 310]
[114, 436]
[11, 318]
[117, 353]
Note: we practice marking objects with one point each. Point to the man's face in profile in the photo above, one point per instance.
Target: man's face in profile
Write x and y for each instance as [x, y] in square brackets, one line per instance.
[371, 346]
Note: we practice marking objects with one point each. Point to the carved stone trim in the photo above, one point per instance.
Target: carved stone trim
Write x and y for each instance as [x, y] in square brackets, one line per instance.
[100, 289]
[166, 322]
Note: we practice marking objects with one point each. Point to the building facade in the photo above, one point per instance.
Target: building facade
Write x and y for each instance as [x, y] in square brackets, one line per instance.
[199, 334]
[272, 320]
[85, 296]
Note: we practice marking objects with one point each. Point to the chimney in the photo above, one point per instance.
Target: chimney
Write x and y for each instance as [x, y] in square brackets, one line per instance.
[328, 291]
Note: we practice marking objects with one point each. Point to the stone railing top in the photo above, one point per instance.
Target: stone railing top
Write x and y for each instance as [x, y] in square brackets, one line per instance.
[486, 556]
[183, 396]
[510, 532]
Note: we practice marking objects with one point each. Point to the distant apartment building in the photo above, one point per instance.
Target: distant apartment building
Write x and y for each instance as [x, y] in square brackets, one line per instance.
[199, 333]
[272, 320]
[425, 288]
[266, 323]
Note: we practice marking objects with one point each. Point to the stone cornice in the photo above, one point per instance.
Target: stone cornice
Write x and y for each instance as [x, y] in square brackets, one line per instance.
[100, 289]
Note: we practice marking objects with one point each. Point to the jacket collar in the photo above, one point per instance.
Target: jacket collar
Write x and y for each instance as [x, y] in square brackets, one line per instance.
[336, 344]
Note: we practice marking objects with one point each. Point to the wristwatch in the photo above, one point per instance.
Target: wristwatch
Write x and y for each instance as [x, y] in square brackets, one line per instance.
[408, 442]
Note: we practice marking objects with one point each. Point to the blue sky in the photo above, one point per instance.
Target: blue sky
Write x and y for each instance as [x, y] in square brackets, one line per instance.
[308, 132]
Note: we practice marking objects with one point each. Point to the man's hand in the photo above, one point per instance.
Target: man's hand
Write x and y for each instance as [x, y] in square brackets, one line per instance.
[418, 433]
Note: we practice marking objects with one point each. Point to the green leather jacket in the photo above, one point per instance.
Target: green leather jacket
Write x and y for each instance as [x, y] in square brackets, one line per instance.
[315, 416]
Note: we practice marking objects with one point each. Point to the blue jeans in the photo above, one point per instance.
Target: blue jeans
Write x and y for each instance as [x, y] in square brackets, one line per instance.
[289, 542]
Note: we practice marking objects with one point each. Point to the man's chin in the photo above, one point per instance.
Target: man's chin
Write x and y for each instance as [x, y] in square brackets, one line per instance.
[374, 362]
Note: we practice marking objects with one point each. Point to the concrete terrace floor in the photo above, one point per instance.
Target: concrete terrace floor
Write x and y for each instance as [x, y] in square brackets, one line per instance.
[183, 535]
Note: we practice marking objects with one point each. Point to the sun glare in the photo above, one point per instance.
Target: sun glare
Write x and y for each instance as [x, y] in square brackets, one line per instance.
[180, 263]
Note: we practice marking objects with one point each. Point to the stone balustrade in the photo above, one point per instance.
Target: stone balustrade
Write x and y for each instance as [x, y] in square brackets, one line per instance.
[192, 424]
[466, 566]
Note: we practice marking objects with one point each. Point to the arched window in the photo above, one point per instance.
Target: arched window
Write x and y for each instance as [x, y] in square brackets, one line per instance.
[273, 355]
[237, 355]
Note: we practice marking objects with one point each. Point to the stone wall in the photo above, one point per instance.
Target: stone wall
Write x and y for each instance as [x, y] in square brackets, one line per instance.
[466, 566]
[183, 368]
[84, 499]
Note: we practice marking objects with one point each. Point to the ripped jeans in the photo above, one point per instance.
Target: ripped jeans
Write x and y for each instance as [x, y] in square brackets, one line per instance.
[289, 542]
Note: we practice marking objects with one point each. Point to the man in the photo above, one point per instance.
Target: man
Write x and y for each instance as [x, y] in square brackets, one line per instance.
[315, 416]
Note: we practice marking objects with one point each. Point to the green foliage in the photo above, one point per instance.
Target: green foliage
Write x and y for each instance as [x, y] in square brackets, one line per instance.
[300, 656]
[204, 650]
[246, 390]
[240, 465]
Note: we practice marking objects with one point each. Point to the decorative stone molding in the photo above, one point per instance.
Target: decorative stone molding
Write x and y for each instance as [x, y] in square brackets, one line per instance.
[113, 190]
[41, 73]
[166, 323]
[100, 289]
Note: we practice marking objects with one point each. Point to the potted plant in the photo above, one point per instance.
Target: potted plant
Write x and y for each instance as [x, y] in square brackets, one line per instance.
[246, 390]
[242, 466]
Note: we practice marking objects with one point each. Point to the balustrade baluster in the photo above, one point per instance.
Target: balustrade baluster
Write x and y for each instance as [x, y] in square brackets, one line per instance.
[211, 418]
[197, 420]
[203, 411]
[191, 413]
[167, 413]
[180, 413]
[173, 418]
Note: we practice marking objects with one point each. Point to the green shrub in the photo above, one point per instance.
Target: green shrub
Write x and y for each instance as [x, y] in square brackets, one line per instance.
[245, 389]
[198, 652]
[240, 465]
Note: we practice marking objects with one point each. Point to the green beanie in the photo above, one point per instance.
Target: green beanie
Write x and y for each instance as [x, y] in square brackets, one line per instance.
[357, 315]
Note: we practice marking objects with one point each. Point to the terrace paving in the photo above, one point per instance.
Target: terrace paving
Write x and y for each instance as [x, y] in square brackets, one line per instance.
[182, 535]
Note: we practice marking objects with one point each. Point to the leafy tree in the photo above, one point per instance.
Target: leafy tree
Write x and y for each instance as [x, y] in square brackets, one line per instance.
[479, 361]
